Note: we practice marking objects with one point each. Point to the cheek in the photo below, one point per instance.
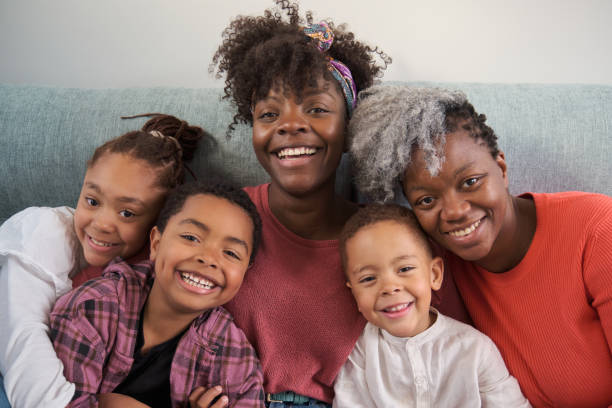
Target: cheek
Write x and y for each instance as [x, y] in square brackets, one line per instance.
[427, 220]
[365, 299]
[80, 221]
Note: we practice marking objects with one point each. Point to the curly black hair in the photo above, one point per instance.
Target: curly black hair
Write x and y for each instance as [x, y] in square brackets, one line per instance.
[374, 213]
[267, 52]
[465, 117]
[177, 198]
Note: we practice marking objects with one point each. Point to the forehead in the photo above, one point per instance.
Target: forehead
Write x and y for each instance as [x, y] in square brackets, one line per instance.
[460, 150]
[121, 174]
[217, 214]
[321, 86]
[383, 238]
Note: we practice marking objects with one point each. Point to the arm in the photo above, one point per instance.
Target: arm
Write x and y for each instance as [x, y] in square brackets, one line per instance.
[597, 270]
[350, 387]
[80, 331]
[36, 256]
[250, 392]
[497, 387]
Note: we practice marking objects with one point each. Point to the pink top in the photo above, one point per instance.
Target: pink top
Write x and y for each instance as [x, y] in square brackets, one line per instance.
[295, 308]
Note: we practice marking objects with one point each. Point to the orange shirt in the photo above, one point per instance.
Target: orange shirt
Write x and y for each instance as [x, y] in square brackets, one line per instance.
[551, 315]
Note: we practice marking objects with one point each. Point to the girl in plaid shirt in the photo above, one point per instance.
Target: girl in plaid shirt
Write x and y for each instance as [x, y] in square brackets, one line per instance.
[155, 332]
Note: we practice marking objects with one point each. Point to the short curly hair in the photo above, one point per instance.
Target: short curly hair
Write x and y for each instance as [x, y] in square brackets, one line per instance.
[390, 122]
[267, 52]
[177, 198]
[374, 213]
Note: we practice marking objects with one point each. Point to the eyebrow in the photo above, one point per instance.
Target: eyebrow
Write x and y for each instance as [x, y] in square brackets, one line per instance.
[455, 174]
[205, 228]
[123, 199]
[394, 260]
[463, 168]
[317, 91]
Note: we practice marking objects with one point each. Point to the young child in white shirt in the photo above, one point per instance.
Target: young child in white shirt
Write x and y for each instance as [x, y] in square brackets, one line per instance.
[409, 354]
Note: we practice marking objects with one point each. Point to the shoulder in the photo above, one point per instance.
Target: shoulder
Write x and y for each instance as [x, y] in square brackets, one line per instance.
[218, 327]
[581, 213]
[96, 294]
[216, 333]
[454, 330]
[43, 239]
[258, 194]
[573, 201]
[46, 222]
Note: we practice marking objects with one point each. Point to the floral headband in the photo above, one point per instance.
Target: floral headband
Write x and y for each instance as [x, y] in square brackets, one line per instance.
[324, 37]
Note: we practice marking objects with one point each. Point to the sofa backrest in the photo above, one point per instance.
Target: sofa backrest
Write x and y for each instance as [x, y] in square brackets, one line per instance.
[555, 137]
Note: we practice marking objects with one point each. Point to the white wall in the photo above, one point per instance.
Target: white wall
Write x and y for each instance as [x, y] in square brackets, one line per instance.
[118, 43]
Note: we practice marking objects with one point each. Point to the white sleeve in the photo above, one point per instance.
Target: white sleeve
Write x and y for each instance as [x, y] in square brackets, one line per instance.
[351, 387]
[36, 257]
[497, 387]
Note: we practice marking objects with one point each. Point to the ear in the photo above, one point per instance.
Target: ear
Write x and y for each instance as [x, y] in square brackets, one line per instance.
[437, 273]
[500, 159]
[154, 237]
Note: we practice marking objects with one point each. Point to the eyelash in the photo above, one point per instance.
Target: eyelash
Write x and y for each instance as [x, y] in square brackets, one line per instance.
[473, 179]
[189, 237]
[92, 202]
[124, 213]
[367, 279]
[232, 254]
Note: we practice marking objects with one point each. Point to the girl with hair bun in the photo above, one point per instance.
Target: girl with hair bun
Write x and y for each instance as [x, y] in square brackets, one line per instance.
[295, 81]
[42, 248]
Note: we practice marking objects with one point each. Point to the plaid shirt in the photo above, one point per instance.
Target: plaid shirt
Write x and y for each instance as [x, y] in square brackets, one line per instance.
[94, 329]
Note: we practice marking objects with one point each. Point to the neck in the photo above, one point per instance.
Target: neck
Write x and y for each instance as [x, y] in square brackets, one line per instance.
[515, 237]
[161, 322]
[317, 215]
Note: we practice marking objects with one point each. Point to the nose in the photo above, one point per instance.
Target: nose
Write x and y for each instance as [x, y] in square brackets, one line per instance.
[206, 257]
[103, 220]
[390, 286]
[454, 207]
[292, 121]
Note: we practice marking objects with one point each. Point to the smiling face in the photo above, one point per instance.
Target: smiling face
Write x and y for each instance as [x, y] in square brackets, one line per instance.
[466, 207]
[202, 254]
[300, 142]
[117, 207]
[391, 275]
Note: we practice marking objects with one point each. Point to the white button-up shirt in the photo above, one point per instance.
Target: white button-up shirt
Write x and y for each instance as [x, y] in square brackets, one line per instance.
[450, 364]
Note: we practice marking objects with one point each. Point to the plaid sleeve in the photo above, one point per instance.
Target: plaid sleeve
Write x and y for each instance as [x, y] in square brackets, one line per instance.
[243, 374]
[81, 324]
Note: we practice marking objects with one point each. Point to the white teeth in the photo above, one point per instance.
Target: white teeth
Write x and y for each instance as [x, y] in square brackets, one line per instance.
[197, 281]
[466, 231]
[100, 243]
[296, 151]
[396, 308]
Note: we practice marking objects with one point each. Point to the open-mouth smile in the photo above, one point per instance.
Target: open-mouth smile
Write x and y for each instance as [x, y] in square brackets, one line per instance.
[295, 152]
[101, 244]
[465, 231]
[197, 280]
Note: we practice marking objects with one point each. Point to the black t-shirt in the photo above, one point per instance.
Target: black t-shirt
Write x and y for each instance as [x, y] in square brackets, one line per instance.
[149, 378]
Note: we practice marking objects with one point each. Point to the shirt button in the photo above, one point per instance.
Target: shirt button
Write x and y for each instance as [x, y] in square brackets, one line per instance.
[420, 381]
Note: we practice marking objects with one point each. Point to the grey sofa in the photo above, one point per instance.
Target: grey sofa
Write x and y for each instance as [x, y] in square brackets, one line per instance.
[555, 137]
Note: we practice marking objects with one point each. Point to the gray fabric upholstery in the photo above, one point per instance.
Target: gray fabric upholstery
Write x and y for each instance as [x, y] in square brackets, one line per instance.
[555, 137]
